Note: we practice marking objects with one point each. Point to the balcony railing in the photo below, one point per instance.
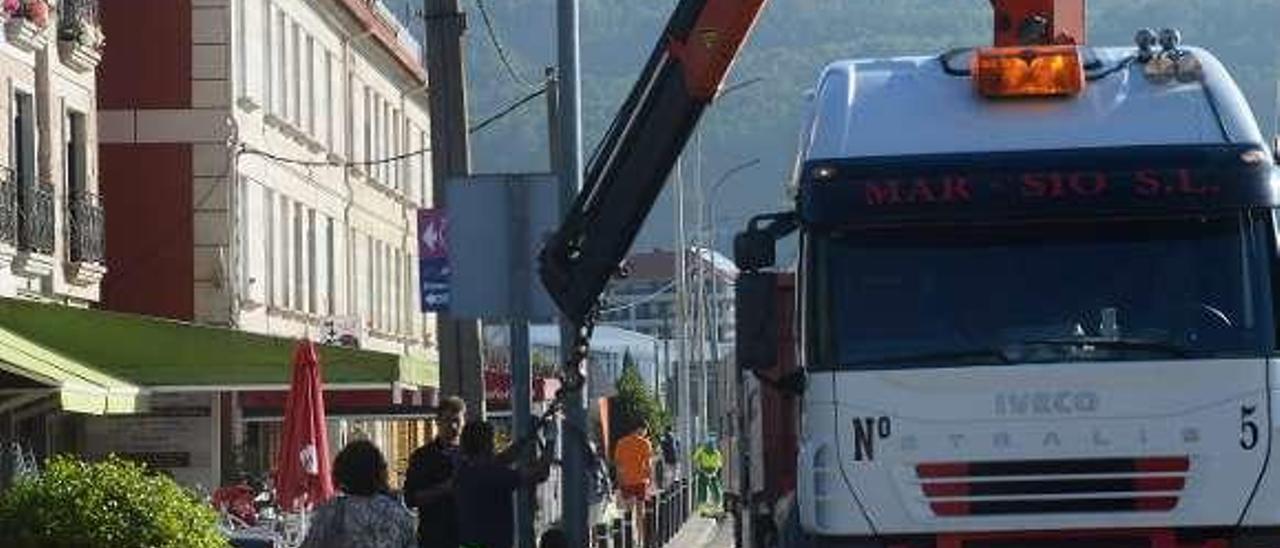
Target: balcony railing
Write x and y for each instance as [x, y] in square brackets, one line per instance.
[76, 14]
[85, 229]
[8, 209]
[35, 219]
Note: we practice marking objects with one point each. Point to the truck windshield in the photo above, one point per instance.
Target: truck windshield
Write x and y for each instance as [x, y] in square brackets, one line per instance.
[1090, 290]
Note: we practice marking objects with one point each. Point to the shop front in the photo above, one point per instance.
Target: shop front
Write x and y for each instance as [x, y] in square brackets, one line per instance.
[197, 402]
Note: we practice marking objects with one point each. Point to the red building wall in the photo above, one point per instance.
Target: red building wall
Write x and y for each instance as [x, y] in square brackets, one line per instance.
[147, 60]
[146, 188]
[146, 191]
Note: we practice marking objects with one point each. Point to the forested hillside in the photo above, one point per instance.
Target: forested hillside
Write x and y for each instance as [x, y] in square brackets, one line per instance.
[792, 43]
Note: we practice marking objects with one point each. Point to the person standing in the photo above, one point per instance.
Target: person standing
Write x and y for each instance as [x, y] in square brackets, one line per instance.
[364, 515]
[485, 485]
[428, 484]
[633, 457]
[670, 452]
[708, 461]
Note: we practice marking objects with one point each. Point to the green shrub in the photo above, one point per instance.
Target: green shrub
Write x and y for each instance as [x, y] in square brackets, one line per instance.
[114, 503]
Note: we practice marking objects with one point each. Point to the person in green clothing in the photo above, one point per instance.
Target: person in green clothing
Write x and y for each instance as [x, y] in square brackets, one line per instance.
[707, 461]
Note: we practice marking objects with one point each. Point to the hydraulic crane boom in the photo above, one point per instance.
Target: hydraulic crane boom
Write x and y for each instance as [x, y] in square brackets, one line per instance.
[623, 180]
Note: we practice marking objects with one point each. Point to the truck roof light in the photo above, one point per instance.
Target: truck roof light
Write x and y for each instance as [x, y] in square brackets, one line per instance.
[1028, 72]
[824, 173]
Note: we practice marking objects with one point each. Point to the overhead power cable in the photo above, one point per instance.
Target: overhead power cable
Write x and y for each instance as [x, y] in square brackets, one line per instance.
[503, 57]
[508, 109]
[334, 163]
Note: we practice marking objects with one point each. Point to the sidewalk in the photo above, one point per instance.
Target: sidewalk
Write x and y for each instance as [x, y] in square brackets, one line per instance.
[698, 532]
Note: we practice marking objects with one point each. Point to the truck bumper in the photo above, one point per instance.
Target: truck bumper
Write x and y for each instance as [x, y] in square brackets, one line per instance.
[1119, 538]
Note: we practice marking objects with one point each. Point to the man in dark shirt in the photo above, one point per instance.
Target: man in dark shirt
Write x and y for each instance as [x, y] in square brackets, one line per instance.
[485, 485]
[429, 481]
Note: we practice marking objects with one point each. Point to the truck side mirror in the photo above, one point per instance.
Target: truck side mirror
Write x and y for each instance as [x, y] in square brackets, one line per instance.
[753, 250]
[756, 302]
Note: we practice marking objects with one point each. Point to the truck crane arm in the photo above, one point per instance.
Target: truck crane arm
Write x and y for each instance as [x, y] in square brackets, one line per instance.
[624, 178]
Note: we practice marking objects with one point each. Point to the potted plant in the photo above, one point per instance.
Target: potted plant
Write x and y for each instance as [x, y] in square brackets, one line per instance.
[80, 41]
[10, 9]
[36, 11]
[27, 20]
[80, 30]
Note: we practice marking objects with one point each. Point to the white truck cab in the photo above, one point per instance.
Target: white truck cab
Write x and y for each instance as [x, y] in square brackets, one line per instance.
[1036, 302]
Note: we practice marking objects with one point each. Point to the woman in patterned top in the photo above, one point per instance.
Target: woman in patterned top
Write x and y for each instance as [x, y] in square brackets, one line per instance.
[364, 515]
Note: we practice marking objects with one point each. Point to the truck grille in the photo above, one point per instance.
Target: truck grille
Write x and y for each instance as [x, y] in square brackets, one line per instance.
[1061, 486]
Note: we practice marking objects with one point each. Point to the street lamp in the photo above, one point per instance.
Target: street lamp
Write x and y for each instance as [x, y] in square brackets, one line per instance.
[710, 233]
[688, 355]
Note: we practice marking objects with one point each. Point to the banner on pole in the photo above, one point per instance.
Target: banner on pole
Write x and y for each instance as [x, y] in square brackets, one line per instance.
[434, 271]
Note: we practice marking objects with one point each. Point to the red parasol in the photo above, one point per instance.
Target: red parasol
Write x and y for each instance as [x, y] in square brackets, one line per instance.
[302, 465]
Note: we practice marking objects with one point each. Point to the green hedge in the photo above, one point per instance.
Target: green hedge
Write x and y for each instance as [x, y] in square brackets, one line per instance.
[113, 503]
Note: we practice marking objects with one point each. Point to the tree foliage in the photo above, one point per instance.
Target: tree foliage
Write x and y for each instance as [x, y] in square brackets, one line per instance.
[113, 503]
[635, 404]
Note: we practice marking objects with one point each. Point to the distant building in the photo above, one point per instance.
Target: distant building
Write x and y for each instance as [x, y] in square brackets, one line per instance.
[646, 301]
[610, 347]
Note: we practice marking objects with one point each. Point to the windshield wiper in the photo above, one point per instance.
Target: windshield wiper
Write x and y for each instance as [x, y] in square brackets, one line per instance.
[946, 356]
[1152, 345]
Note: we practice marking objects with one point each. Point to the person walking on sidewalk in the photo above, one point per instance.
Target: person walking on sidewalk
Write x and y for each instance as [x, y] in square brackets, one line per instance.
[633, 458]
[708, 461]
[428, 484]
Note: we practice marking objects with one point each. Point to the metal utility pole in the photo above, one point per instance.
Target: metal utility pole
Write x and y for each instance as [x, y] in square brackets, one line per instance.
[575, 471]
[459, 340]
[682, 327]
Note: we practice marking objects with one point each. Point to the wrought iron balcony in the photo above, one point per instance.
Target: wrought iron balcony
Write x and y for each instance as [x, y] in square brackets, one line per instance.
[8, 209]
[35, 219]
[76, 15]
[85, 229]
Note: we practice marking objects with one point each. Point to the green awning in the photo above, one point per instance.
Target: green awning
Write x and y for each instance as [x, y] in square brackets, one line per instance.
[78, 387]
[157, 353]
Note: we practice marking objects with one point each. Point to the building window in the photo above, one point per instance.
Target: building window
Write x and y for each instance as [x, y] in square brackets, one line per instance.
[353, 273]
[367, 119]
[269, 264]
[425, 198]
[295, 76]
[242, 238]
[74, 162]
[398, 302]
[286, 228]
[328, 118]
[310, 83]
[312, 264]
[377, 137]
[299, 261]
[329, 289]
[371, 302]
[23, 139]
[237, 44]
[280, 91]
[267, 51]
[396, 149]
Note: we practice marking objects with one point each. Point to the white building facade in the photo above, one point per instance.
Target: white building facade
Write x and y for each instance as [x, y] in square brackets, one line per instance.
[51, 221]
[307, 124]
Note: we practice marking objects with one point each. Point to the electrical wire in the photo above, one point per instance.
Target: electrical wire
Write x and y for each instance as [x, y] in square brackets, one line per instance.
[332, 163]
[497, 46]
[507, 110]
[641, 300]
